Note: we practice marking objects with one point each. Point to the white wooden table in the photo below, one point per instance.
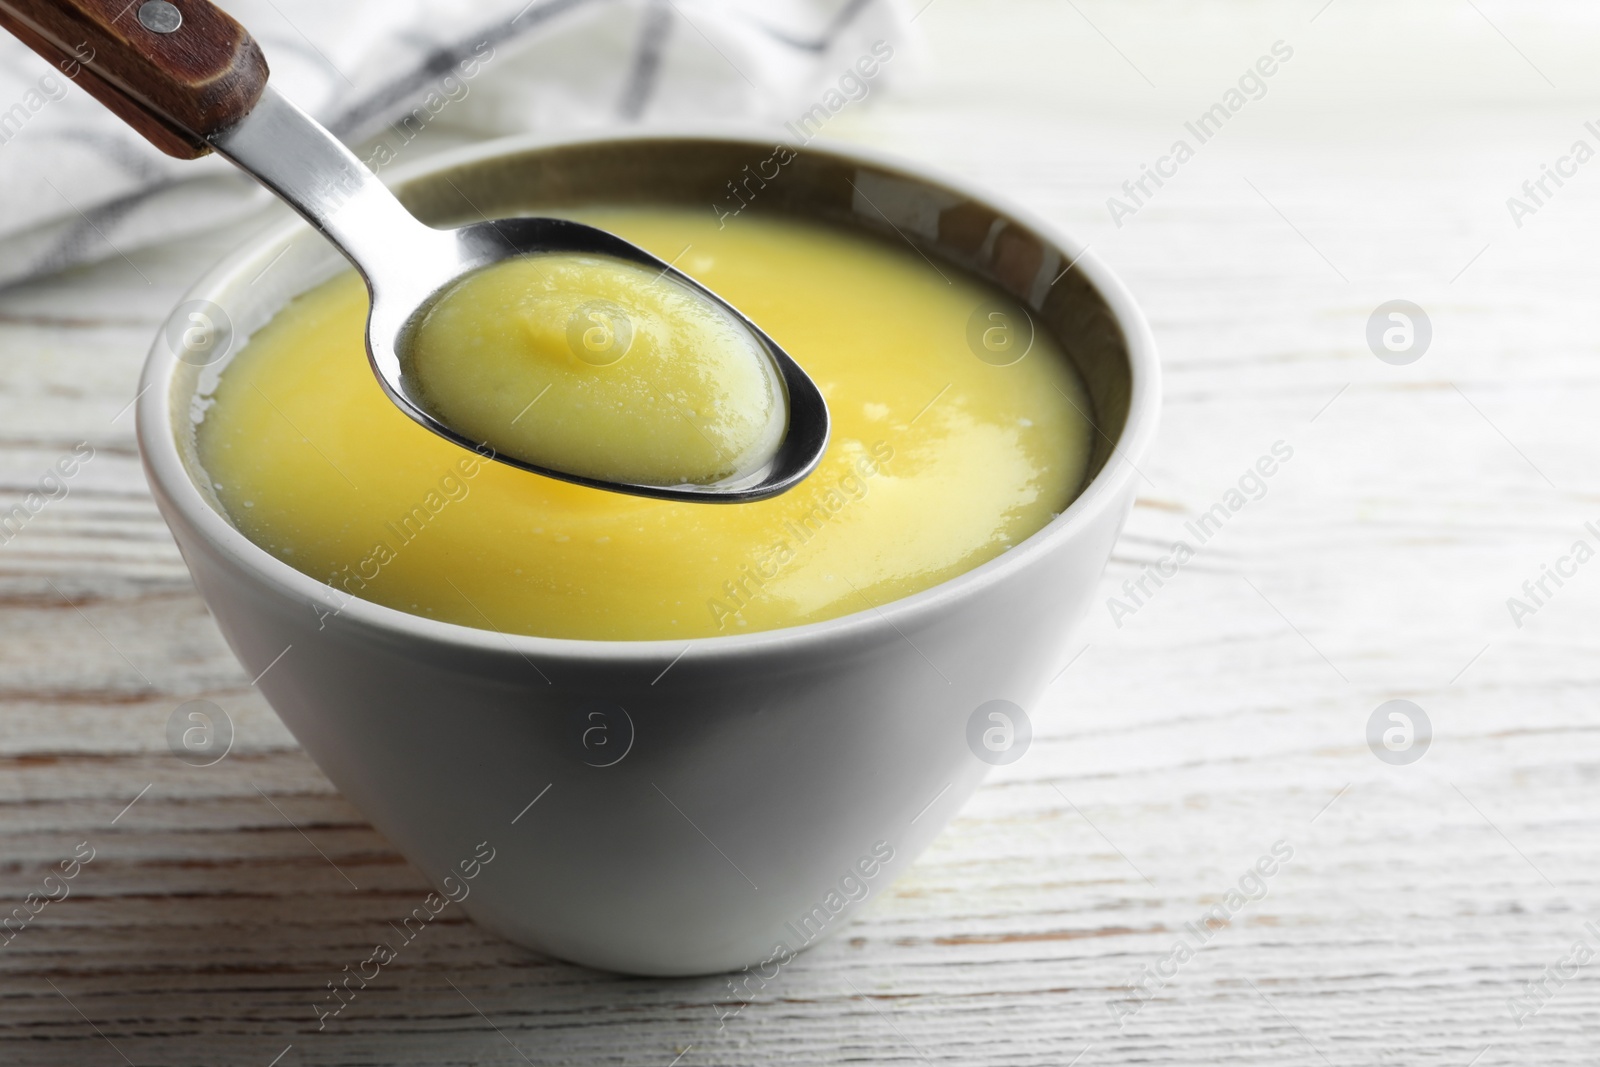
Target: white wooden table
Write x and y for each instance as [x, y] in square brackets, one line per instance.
[1227, 714]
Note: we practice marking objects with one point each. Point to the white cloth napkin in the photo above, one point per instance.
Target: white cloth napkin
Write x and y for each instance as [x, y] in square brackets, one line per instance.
[77, 186]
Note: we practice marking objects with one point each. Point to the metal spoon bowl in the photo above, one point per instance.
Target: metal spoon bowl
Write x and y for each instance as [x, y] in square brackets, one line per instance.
[406, 263]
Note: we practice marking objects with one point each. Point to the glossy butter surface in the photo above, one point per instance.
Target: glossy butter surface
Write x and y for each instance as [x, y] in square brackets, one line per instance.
[939, 460]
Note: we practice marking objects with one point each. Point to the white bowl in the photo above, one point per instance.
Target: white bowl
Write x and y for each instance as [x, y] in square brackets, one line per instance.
[772, 781]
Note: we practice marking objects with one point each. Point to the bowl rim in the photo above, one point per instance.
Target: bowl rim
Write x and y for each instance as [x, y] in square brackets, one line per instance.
[171, 481]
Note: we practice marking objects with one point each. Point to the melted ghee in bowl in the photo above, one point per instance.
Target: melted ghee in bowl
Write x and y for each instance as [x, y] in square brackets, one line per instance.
[939, 460]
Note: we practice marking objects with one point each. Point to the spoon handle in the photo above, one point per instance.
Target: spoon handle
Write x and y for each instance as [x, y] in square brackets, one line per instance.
[309, 168]
[177, 71]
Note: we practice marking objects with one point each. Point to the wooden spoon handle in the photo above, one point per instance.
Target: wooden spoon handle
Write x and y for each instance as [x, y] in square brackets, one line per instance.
[177, 71]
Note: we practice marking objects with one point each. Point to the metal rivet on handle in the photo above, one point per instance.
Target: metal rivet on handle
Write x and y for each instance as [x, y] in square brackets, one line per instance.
[160, 16]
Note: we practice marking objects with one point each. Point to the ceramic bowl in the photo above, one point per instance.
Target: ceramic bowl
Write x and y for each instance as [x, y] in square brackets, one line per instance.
[769, 783]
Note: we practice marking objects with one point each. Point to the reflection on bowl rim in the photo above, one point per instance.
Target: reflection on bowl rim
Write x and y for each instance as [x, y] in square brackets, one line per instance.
[165, 465]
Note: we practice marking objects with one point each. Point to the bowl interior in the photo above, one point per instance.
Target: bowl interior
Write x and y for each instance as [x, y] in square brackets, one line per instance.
[721, 176]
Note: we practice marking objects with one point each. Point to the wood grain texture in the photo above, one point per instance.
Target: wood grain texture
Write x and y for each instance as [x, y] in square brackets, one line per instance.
[174, 88]
[1227, 714]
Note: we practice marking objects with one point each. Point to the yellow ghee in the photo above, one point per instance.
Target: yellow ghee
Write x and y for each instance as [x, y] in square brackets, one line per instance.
[590, 365]
[939, 460]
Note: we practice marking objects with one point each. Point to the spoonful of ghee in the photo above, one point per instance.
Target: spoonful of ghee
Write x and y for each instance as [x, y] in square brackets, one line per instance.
[599, 367]
[545, 344]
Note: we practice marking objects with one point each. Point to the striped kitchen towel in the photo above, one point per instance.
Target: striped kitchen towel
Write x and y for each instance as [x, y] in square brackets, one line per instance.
[77, 186]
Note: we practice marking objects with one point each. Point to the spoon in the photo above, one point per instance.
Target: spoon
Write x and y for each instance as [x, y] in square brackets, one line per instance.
[191, 80]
